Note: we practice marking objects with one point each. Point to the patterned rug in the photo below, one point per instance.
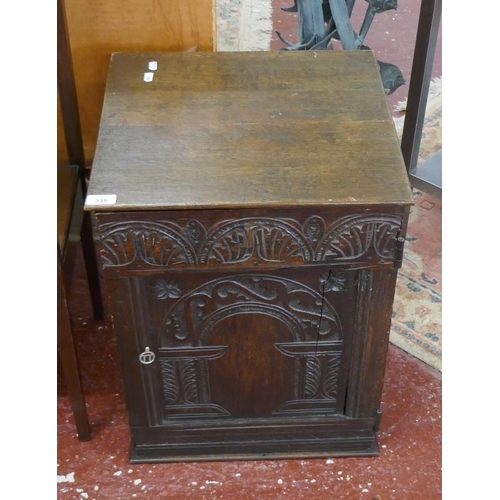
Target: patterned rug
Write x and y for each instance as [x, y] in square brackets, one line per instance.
[416, 318]
[417, 314]
[432, 132]
[243, 25]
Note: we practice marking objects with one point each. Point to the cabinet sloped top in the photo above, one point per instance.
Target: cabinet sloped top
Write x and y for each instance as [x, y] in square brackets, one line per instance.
[246, 129]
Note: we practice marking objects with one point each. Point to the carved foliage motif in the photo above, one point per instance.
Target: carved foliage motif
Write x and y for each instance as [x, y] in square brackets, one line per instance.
[306, 312]
[179, 381]
[270, 240]
[321, 377]
[353, 236]
[152, 243]
[185, 382]
[238, 240]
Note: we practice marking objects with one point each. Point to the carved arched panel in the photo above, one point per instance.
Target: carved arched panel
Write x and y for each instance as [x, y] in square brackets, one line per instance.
[306, 312]
[251, 330]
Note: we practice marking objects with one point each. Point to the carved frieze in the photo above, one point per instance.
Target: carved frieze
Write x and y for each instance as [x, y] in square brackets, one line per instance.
[259, 239]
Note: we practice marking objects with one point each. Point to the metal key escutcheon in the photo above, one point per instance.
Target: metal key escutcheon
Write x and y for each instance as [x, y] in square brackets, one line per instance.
[147, 357]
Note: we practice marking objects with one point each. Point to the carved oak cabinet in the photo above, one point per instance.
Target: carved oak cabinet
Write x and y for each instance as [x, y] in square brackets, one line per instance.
[251, 209]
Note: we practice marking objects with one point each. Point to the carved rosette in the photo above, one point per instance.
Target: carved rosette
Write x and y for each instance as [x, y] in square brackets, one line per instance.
[264, 239]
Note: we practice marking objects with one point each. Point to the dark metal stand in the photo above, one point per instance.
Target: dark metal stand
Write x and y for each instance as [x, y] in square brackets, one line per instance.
[320, 21]
[428, 176]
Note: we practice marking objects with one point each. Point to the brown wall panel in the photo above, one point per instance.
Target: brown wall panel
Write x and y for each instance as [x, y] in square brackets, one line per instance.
[99, 27]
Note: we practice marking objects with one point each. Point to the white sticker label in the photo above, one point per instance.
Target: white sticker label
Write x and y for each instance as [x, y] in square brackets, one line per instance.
[148, 77]
[153, 65]
[101, 199]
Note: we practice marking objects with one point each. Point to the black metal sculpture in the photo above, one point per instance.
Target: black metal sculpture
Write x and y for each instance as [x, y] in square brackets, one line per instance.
[321, 20]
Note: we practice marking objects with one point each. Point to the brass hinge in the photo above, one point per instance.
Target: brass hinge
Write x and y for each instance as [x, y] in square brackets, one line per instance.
[398, 250]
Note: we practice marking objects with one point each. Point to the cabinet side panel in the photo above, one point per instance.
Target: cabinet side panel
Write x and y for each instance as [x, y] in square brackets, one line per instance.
[384, 284]
[371, 341]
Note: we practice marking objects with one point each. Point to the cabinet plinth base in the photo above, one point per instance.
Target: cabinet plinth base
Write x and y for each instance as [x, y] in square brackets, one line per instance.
[352, 446]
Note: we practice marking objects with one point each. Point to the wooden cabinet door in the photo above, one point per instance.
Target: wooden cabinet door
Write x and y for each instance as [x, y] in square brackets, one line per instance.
[242, 345]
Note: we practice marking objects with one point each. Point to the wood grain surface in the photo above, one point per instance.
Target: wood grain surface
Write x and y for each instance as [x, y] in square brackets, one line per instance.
[99, 27]
[220, 130]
